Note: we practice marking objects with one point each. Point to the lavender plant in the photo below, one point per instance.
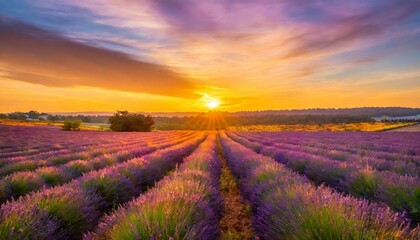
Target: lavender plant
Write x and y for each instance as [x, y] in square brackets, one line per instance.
[286, 205]
[76, 207]
[401, 193]
[185, 205]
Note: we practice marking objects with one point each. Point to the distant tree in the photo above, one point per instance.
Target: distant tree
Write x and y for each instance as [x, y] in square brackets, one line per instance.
[123, 121]
[85, 119]
[53, 118]
[33, 114]
[72, 125]
[18, 116]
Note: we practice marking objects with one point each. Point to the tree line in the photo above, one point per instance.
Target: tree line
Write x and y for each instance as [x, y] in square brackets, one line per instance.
[125, 121]
[220, 120]
[42, 116]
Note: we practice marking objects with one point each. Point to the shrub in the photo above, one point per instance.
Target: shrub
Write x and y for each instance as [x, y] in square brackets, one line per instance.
[18, 185]
[72, 125]
[364, 183]
[53, 176]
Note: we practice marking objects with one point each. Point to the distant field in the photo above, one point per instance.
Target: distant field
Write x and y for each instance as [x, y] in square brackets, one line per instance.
[336, 127]
[183, 184]
[411, 128]
[83, 127]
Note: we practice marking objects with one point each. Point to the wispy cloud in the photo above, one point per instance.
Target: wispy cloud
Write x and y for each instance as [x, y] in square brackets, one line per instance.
[34, 55]
[250, 48]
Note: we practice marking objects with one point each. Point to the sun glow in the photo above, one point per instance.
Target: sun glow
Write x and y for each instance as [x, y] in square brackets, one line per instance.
[214, 103]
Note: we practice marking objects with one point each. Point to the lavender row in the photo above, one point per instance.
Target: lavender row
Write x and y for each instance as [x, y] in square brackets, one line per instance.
[21, 183]
[350, 143]
[185, 205]
[379, 142]
[84, 154]
[378, 145]
[18, 140]
[27, 141]
[401, 193]
[78, 149]
[286, 206]
[105, 140]
[63, 151]
[54, 148]
[65, 212]
[403, 166]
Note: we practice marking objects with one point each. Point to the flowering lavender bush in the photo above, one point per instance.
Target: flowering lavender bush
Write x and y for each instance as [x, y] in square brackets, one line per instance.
[76, 207]
[185, 205]
[402, 161]
[401, 193]
[21, 183]
[60, 185]
[83, 150]
[287, 206]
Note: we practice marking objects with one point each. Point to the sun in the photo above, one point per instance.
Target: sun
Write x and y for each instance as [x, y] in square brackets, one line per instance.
[214, 103]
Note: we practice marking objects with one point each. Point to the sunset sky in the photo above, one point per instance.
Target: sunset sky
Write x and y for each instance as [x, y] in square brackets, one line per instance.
[185, 55]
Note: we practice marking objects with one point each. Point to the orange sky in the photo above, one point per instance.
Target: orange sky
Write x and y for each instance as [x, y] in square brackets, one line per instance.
[160, 56]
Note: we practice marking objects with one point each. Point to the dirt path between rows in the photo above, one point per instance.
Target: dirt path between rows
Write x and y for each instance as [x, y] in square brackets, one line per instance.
[412, 128]
[236, 222]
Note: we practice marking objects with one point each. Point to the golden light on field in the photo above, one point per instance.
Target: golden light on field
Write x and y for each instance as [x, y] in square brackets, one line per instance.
[214, 103]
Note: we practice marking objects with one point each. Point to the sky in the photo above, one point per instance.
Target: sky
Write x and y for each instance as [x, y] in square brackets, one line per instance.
[186, 55]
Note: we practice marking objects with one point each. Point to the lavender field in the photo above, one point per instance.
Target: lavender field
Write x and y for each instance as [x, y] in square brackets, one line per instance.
[181, 185]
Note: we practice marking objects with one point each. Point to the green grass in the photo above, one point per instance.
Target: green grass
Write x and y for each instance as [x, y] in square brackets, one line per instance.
[364, 184]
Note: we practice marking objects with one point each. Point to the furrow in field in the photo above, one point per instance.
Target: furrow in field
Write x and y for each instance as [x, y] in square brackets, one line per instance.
[236, 222]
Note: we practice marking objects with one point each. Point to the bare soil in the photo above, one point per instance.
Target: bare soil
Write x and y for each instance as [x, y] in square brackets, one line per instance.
[412, 128]
[236, 222]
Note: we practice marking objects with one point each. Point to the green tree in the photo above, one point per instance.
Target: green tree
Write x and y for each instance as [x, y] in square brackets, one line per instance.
[123, 121]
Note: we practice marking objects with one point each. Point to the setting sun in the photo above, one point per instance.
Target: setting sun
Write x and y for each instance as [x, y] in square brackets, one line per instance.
[213, 103]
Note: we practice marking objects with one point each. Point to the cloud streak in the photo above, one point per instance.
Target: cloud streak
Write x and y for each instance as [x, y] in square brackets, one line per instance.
[31, 54]
[276, 48]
